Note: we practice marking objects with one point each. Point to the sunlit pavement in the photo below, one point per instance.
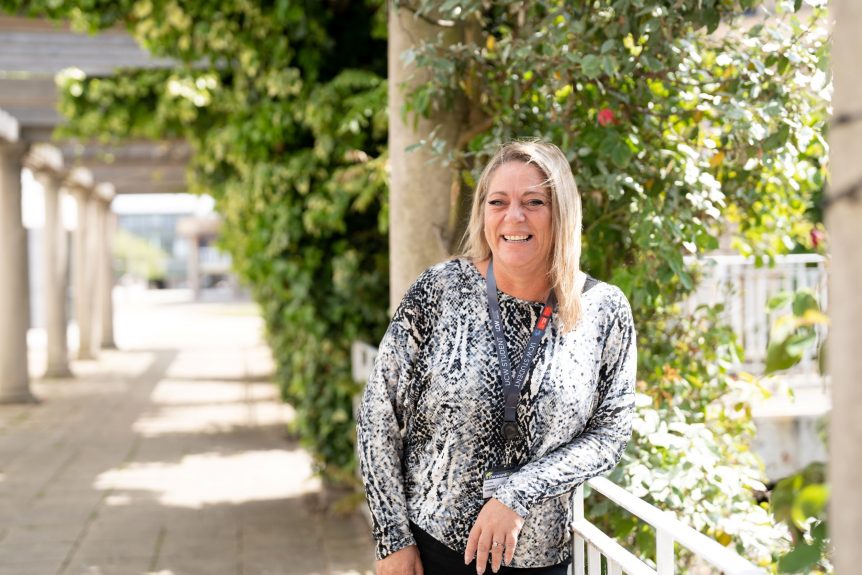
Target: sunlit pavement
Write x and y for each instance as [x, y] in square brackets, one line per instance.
[169, 456]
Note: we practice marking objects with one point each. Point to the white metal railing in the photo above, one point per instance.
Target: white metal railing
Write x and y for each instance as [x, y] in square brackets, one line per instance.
[669, 530]
[617, 559]
[745, 290]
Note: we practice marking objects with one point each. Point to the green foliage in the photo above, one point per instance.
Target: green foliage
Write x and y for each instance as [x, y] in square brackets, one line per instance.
[800, 501]
[682, 123]
[284, 105]
[792, 335]
[138, 257]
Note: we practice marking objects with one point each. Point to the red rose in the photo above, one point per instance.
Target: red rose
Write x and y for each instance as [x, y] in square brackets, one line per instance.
[606, 117]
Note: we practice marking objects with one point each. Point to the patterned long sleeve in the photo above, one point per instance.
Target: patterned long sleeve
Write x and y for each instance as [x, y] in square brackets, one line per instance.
[429, 425]
[380, 426]
[600, 446]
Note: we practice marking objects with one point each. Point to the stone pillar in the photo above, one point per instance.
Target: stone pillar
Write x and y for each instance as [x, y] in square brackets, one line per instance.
[194, 267]
[94, 240]
[83, 272]
[420, 191]
[843, 218]
[55, 263]
[106, 266]
[14, 286]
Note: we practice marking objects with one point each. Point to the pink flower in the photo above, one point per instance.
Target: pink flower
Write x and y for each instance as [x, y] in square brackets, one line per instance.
[817, 237]
[606, 117]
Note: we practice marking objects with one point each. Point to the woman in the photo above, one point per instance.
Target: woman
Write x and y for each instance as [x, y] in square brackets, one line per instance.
[504, 381]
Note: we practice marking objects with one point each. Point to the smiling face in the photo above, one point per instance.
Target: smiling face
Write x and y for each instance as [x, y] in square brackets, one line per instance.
[518, 219]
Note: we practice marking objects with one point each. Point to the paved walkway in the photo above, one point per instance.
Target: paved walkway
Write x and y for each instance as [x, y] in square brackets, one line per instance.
[168, 457]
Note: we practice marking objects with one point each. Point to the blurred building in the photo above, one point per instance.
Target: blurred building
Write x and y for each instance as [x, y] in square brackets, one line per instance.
[207, 266]
[191, 259]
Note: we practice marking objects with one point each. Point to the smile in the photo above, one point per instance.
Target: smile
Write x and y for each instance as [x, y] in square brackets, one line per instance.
[517, 238]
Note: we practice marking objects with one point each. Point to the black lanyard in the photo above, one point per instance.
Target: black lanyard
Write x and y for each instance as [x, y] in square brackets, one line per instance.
[512, 385]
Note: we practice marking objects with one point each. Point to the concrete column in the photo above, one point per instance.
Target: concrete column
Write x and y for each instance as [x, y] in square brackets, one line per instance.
[843, 218]
[55, 263]
[421, 185]
[106, 222]
[83, 273]
[94, 240]
[14, 285]
[194, 268]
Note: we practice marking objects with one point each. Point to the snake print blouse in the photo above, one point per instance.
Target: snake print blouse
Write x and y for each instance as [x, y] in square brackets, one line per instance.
[429, 423]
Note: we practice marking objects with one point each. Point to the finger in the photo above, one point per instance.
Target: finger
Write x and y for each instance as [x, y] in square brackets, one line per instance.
[498, 543]
[511, 543]
[472, 542]
[482, 551]
[417, 566]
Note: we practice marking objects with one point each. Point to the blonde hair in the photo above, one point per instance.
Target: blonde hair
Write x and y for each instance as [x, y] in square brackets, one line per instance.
[565, 219]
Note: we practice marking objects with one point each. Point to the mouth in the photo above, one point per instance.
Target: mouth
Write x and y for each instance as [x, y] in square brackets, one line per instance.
[517, 239]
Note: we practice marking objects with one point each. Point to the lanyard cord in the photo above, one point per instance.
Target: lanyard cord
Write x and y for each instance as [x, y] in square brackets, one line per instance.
[512, 384]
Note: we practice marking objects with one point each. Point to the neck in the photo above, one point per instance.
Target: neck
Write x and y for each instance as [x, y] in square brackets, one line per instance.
[530, 285]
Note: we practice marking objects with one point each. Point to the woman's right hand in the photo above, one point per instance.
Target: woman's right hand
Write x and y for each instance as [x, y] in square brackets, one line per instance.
[403, 562]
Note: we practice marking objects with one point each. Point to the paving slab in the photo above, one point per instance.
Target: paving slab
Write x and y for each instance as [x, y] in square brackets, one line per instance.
[167, 456]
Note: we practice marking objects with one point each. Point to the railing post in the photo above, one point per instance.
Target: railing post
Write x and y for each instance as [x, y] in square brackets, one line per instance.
[664, 556]
[595, 560]
[578, 504]
[577, 567]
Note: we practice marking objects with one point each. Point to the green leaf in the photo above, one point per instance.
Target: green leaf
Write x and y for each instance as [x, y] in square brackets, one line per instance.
[803, 301]
[711, 19]
[800, 559]
[610, 65]
[563, 93]
[778, 138]
[778, 358]
[615, 147]
[779, 300]
[800, 341]
[591, 66]
[621, 155]
[822, 362]
[810, 503]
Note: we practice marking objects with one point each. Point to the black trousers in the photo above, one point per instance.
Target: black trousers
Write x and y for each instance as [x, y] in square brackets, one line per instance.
[438, 559]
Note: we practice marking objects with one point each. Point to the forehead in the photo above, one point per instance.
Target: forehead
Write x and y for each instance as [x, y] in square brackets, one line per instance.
[517, 176]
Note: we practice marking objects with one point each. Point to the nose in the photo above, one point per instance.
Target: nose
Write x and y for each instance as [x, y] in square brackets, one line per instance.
[515, 212]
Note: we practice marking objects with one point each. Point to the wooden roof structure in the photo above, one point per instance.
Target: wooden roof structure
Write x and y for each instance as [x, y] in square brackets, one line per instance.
[33, 52]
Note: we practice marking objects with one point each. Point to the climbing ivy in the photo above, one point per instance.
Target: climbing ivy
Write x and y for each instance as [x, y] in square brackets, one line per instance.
[284, 106]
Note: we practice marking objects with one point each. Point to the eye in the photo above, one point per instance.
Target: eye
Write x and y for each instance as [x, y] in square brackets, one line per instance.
[535, 203]
[495, 202]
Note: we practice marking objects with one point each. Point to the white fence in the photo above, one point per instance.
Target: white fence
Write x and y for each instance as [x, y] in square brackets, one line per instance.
[745, 290]
[592, 547]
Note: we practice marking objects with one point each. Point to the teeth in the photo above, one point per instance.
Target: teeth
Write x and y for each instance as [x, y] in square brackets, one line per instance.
[516, 238]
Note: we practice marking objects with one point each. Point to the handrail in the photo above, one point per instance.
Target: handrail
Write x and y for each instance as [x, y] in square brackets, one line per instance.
[627, 561]
[669, 529]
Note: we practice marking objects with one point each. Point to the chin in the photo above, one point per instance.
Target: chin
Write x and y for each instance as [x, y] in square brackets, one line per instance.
[518, 260]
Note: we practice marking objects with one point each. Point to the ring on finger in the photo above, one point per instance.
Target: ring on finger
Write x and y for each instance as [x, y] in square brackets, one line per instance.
[496, 544]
